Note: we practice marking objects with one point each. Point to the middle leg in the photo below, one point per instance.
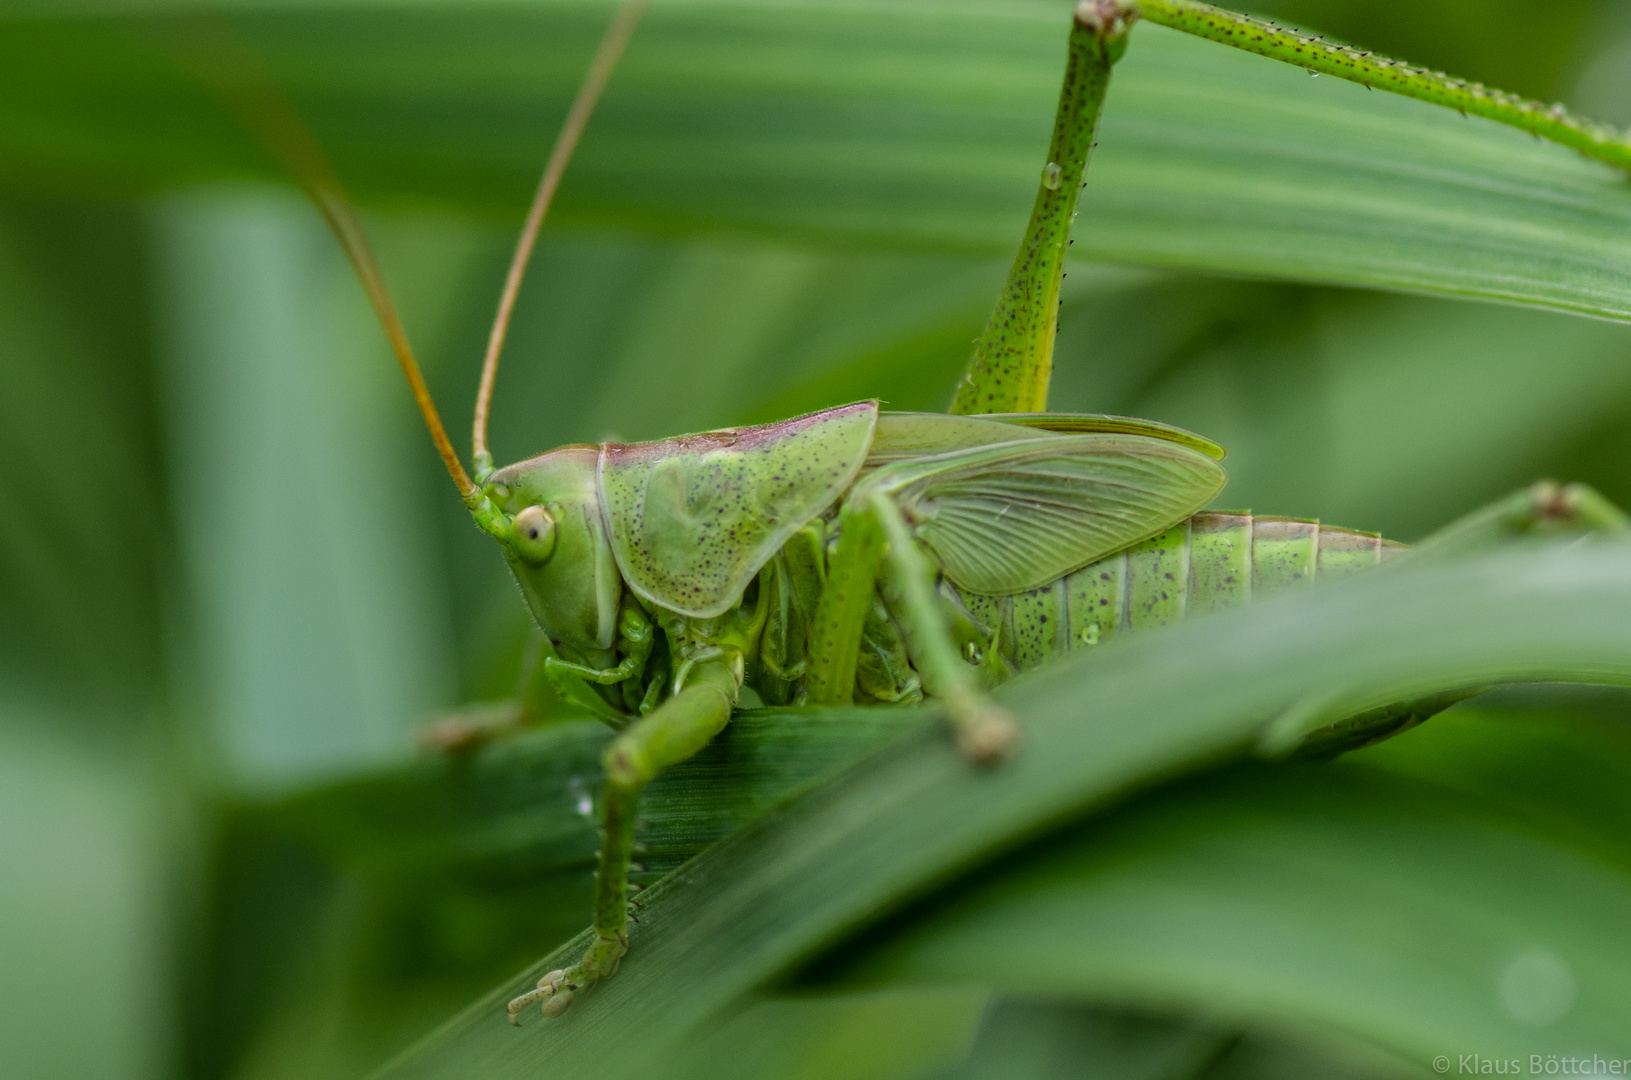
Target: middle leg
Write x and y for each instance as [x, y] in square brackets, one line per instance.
[873, 530]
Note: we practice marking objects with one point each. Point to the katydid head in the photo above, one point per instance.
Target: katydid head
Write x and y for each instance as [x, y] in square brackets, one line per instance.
[557, 547]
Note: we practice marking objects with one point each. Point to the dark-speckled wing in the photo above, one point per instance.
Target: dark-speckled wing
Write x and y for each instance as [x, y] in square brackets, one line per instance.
[1015, 516]
[692, 519]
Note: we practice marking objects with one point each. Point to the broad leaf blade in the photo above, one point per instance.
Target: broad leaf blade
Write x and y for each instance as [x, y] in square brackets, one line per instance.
[899, 124]
[1338, 897]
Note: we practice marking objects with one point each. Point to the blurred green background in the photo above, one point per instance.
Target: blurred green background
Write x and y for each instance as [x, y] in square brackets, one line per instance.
[231, 568]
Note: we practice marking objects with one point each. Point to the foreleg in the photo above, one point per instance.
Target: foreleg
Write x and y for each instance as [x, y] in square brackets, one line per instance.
[673, 732]
[538, 696]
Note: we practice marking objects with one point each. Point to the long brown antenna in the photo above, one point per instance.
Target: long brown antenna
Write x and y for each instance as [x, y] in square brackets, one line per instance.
[235, 74]
[594, 81]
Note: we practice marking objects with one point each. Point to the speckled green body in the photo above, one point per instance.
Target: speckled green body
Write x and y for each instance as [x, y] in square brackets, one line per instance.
[1207, 563]
[723, 543]
[1210, 562]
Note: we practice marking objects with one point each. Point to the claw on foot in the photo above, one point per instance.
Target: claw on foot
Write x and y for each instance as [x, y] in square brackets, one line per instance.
[551, 990]
[557, 989]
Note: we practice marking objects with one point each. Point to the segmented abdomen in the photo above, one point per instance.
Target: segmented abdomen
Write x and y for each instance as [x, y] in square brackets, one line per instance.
[1211, 562]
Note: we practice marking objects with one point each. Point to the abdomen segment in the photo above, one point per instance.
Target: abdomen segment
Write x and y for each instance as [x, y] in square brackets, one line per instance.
[1210, 562]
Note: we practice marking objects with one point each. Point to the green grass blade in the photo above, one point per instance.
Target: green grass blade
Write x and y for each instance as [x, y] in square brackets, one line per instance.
[1216, 160]
[1042, 1040]
[892, 124]
[799, 881]
[1334, 896]
[523, 805]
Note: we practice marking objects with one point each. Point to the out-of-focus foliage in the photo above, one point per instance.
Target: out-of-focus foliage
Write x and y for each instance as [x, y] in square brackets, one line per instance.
[233, 581]
[900, 124]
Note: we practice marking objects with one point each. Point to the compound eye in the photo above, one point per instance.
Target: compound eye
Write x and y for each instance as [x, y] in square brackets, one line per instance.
[534, 531]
